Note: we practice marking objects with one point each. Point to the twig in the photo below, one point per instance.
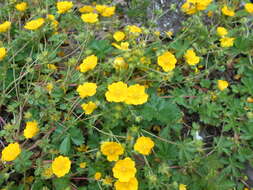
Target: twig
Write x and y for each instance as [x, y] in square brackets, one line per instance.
[160, 138]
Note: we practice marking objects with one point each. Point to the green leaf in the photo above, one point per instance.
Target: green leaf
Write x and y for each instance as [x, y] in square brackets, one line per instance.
[23, 162]
[65, 145]
[101, 47]
[61, 183]
[38, 184]
[76, 136]
[163, 110]
[243, 44]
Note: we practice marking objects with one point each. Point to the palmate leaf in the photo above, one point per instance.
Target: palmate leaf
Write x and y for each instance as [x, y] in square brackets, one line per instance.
[162, 110]
[101, 47]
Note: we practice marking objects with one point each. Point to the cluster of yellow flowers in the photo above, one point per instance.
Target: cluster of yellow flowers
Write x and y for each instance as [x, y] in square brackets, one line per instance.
[224, 41]
[4, 27]
[53, 21]
[90, 13]
[133, 30]
[124, 170]
[120, 92]
[193, 6]
[117, 92]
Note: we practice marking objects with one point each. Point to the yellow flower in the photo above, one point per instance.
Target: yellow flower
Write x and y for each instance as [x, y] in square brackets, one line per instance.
[51, 66]
[2, 53]
[169, 34]
[54, 22]
[249, 7]
[119, 36]
[191, 57]
[82, 165]
[82, 148]
[64, 6]
[189, 8]
[61, 166]
[21, 6]
[157, 33]
[193, 6]
[90, 17]
[28, 179]
[108, 11]
[51, 17]
[210, 13]
[97, 176]
[136, 95]
[86, 9]
[87, 89]
[31, 129]
[145, 60]
[227, 11]
[116, 92]
[167, 61]
[221, 31]
[5, 26]
[89, 63]
[107, 181]
[250, 100]
[222, 84]
[49, 87]
[100, 8]
[227, 42]
[122, 46]
[34, 24]
[89, 107]
[182, 187]
[134, 29]
[112, 150]
[132, 184]
[119, 63]
[11, 152]
[124, 170]
[47, 173]
[144, 145]
[203, 4]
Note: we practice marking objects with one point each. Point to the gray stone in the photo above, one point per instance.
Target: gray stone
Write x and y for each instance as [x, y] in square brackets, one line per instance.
[171, 15]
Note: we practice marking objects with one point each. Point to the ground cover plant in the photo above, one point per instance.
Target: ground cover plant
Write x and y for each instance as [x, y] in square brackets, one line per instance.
[92, 98]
